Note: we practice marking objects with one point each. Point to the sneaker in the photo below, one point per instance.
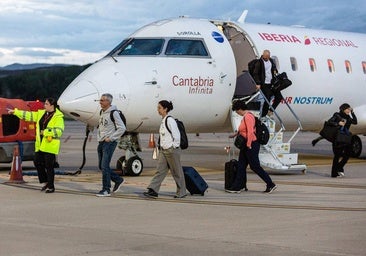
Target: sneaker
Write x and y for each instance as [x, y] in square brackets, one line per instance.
[50, 190]
[233, 191]
[150, 193]
[117, 186]
[103, 193]
[270, 188]
[340, 175]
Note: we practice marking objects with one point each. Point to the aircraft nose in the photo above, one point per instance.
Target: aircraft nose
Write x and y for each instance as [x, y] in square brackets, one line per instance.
[80, 100]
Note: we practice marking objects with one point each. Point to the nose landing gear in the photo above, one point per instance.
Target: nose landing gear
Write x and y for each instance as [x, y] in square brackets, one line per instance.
[130, 164]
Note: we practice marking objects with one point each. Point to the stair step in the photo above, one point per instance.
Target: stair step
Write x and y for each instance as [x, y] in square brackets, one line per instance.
[271, 124]
[288, 159]
[278, 138]
[281, 148]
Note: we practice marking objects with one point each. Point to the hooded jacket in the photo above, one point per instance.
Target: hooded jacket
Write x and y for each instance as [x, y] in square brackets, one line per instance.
[106, 128]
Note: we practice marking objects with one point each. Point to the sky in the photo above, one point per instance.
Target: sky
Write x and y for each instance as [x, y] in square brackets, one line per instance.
[83, 31]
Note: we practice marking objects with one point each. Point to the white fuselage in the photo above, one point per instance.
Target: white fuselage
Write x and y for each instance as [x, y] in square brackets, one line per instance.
[316, 95]
[201, 86]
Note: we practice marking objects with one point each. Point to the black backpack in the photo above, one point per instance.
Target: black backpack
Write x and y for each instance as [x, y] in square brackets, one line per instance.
[112, 117]
[261, 131]
[251, 66]
[182, 131]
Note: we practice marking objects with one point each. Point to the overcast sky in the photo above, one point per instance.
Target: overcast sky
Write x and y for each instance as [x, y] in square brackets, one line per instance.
[80, 32]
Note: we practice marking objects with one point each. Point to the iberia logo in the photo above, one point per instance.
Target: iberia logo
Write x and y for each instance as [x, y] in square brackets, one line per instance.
[307, 40]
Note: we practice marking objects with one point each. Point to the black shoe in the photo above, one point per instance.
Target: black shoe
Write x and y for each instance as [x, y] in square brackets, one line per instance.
[117, 186]
[270, 189]
[314, 142]
[44, 187]
[150, 193]
[180, 196]
[244, 189]
[50, 190]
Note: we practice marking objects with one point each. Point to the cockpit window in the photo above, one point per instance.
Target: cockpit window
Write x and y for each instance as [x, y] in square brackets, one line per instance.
[186, 47]
[142, 47]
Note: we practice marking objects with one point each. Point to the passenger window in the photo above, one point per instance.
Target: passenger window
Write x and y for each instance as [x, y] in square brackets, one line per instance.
[276, 62]
[330, 66]
[312, 65]
[186, 47]
[142, 47]
[348, 66]
[293, 63]
[364, 66]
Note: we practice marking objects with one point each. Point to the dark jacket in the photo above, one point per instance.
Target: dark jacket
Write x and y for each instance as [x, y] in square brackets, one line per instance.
[339, 116]
[259, 72]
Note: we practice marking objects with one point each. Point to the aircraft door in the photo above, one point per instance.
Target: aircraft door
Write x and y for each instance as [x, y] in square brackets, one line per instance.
[244, 51]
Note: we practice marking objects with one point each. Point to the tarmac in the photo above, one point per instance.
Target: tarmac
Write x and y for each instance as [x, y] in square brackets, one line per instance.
[308, 214]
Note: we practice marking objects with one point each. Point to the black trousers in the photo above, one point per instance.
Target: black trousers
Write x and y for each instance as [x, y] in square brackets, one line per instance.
[268, 93]
[250, 157]
[44, 163]
[340, 158]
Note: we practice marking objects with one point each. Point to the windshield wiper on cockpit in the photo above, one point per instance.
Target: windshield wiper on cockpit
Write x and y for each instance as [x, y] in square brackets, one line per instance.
[118, 48]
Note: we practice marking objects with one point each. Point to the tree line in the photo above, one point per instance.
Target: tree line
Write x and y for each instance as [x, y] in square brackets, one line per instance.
[39, 83]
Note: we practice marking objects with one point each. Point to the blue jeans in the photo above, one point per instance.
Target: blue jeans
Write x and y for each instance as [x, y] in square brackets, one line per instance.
[251, 157]
[105, 153]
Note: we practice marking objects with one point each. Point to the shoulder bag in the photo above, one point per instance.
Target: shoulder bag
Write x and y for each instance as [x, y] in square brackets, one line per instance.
[240, 142]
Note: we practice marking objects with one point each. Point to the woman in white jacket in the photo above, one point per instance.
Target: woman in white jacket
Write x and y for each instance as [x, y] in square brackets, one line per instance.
[169, 154]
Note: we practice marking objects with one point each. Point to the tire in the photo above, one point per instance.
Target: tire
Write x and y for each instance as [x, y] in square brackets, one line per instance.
[134, 166]
[356, 146]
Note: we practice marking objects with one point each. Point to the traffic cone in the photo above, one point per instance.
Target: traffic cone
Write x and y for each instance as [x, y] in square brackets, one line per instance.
[152, 141]
[16, 175]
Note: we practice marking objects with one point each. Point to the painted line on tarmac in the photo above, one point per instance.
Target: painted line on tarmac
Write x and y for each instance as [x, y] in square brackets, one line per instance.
[318, 184]
[202, 202]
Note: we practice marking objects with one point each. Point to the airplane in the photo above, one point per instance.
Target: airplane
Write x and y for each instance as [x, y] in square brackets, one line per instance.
[200, 66]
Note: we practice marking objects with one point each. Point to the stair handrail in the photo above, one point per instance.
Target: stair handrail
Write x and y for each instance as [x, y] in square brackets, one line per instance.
[278, 117]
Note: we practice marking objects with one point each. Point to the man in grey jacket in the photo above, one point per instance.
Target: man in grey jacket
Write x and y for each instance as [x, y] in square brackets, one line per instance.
[109, 133]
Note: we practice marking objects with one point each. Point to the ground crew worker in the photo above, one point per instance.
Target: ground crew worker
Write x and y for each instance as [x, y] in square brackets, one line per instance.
[49, 128]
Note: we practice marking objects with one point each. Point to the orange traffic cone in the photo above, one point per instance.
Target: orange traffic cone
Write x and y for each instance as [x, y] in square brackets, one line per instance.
[152, 141]
[16, 175]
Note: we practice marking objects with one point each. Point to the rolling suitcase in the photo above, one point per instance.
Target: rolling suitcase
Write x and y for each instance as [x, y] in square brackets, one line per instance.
[231, 168]
[195, 184]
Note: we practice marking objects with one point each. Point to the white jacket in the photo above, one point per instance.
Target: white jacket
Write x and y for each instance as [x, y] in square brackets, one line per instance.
[167, 139]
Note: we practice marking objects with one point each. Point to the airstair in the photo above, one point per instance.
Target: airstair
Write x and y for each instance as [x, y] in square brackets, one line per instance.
[276, 154]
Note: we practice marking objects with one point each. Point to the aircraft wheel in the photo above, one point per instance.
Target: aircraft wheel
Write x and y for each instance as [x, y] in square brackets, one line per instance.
[303, 171]
[356, 146]
[121, 166]
[134, 166]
